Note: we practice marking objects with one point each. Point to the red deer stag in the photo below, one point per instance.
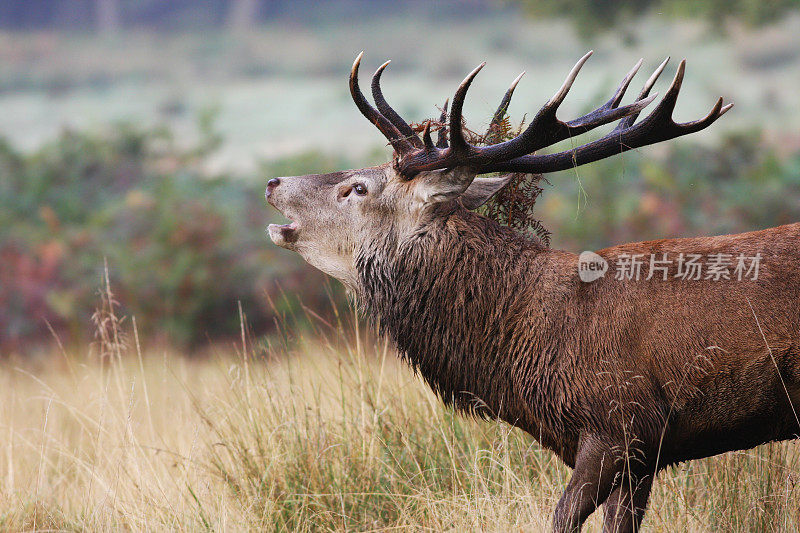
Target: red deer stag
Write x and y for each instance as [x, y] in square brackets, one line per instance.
[619, 375]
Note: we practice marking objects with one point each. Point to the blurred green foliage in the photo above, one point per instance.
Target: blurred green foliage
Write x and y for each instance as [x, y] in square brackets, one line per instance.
[593, 17]
[183, 248]
[741, 184]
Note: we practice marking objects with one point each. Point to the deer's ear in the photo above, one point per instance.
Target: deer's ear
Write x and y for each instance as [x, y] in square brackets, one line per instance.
[442, 185]
[481, 189]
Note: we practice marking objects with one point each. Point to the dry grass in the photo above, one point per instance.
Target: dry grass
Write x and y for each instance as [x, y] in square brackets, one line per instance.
[318, 439]
[330, 435]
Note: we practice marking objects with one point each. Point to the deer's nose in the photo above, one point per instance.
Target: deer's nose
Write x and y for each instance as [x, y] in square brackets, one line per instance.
[271, 184]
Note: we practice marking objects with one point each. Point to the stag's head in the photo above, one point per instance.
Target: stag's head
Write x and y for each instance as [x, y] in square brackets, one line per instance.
[335, 215]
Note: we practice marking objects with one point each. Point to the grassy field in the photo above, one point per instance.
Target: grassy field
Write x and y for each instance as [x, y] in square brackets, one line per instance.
[291, 435]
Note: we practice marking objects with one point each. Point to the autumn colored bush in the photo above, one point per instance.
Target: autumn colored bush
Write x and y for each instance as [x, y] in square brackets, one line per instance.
[183, 248]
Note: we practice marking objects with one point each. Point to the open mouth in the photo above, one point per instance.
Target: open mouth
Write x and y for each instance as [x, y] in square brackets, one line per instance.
[283, 234]
[291, 226]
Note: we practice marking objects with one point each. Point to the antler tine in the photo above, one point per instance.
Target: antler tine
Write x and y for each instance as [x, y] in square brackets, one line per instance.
[426, 137]
[504, 103]
[557, 98]
[712, 115]
[387, 111]
[503, 107]
[725, 108]
[441, 138]
[392, 134]
[457, 141]
[667, 104]
[630, 119]
[626, 81]
[653, 77]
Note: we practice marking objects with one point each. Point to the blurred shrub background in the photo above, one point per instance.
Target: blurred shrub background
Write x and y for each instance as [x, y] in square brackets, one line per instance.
[140, 134]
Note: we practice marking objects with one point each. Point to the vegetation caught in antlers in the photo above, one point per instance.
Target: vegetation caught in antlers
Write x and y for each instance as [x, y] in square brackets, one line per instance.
[515, 204]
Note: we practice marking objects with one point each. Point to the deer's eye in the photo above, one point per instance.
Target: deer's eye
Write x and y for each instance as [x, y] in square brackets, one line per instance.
[360, 189]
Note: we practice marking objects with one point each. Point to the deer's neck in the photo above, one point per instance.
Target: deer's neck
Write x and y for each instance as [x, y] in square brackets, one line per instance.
[467, 305]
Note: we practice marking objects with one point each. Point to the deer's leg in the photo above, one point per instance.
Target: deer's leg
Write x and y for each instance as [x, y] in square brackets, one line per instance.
[593, 479]
[625, 507]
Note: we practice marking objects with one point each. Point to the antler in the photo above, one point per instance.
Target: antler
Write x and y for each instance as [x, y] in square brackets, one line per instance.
[396, 138]
[658, 126]
[499, 115]
[387, 111]
[516, 155]
[441, 138]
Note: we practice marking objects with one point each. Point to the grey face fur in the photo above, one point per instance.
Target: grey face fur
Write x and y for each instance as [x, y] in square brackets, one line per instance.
[333, 215]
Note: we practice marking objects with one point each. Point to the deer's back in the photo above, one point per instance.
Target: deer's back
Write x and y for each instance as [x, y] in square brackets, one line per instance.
[717, 358]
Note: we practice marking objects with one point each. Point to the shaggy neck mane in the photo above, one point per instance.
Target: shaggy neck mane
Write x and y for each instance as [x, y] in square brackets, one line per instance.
[450, 297]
